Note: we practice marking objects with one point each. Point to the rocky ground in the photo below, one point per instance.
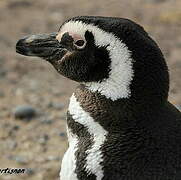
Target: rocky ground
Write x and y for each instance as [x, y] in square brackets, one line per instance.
[33, 86]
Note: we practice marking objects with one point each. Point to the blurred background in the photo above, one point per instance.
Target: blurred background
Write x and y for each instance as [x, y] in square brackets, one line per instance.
[33, 89]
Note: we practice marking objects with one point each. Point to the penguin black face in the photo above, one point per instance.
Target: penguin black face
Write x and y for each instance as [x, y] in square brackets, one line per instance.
[113, 56]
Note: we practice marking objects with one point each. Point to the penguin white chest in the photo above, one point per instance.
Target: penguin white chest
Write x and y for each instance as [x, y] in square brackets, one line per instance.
[93, 154]
[68, 162]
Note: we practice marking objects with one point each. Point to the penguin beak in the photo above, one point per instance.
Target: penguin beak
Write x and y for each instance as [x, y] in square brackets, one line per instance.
[45, 46]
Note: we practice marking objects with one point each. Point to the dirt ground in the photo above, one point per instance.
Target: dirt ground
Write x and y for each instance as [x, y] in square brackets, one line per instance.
[38, 144]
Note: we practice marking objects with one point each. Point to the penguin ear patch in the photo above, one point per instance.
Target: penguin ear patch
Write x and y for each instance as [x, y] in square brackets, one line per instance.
[89, 35]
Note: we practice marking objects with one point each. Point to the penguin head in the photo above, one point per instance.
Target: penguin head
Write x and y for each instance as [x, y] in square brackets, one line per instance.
[72, 51]
[112, 56]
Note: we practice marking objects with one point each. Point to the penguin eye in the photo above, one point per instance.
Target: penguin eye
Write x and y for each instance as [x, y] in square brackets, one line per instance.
[80, 43]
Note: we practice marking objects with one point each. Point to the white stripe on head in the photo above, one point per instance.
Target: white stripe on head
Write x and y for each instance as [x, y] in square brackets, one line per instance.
[117, 85]
[94, 155]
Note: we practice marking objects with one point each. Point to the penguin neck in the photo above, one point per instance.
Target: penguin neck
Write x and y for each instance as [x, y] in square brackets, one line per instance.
[111, 114]
[133, 94]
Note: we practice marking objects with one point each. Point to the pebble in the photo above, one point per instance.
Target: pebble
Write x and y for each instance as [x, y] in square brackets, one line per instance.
[53, 158]
[62, 134]
[63, 116]
[15, 127]
[179, 44]
[2, 94]
[40, 159]
[46, 120]
[19, 159]
[19, 92]
[5, 41]
[13, 130]
[6, 125]
[16, 4]
[43, 139]
[56, 92]
[30, 171]
[11, 144]
[56, 16]
[156, 1]
[2, 60]
[3, 73]
[34, 85]
[24, 112]
[4, 114]
[57, 106]
[8, 177]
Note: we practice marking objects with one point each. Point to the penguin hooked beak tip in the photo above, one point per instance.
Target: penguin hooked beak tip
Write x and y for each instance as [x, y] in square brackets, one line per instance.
[41, 45]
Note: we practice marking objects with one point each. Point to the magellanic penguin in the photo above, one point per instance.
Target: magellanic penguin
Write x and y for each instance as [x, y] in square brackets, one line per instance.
[120, 124]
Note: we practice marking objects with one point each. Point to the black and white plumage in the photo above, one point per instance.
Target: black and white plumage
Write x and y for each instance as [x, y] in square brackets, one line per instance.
[120, 124]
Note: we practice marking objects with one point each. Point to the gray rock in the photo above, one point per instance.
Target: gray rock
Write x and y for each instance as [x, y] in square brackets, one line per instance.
[24, 112]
